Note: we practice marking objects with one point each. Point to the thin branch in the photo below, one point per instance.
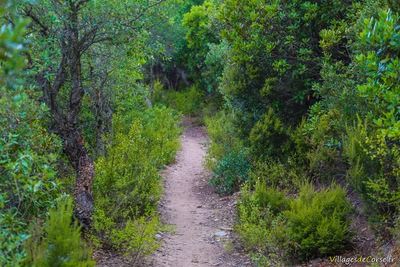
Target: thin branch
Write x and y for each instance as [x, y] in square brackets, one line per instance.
[44, 29]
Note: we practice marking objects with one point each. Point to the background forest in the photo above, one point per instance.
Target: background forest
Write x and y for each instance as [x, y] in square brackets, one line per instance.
[301, 100]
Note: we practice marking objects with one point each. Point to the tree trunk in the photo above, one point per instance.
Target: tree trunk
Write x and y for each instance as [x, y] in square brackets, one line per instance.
[83, 164]
[73, 140]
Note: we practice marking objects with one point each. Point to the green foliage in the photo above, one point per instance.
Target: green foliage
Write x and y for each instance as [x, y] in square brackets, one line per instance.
[317, 222]
[312, 89]
[277, 175]
[28, 155]
[322, 136]
[230, 172]
[28, 184]
[188, 101]
[261, 226]
[28, 152]
[215, 62]
[13, 234]
[313, 224]
[371, 145]
[137, 238]
[62, 244]
[127, 186]
[379, 60]
[293, 92]
[12, 43]
[200, 32]
[274, 57]
[223, 137]
[268, 138]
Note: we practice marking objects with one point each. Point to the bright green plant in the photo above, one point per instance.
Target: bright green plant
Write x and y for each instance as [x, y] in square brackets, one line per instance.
[137, 238]
[313, 224]
[277, 175]
[261, 227]
[188, 101]
[62, 245]
[223, 137]
[127, 186]
[200, 32]
[318, 222]
[379, 60]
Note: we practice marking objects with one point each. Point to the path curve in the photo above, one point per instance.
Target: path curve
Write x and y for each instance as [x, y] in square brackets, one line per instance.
[194, 211]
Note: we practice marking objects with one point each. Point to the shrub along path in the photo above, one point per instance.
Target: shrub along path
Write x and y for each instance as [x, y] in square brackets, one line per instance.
[201, 221]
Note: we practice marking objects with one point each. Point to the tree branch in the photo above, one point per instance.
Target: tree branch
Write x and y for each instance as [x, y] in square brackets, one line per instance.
[44, 29]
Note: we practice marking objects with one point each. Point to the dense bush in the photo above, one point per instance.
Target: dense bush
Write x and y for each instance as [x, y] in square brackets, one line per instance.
[62, 244]
[28, 152]
[200, 32]
[230, 172]
[284, 176]
[268, 137]
[188, 101]
[128, 186]
[227, 157]
[223, 137]
[313, 224]
[379, 61]
[261, 226]
[317, 222]
[28, 184]
[322, 135]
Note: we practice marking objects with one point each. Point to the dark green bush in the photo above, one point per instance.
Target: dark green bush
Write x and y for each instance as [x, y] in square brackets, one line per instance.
[28, 152]
[269, 137]
[231, 171]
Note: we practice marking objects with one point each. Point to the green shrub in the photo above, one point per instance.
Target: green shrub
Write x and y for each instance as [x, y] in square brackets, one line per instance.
[268, 137]
[137, 238]
[188, 101]
[254, 218]
[262, 228]
[371, 145]
[28, 152]
[317, 222]
[127, 187]
[62, 244]
[231, 171]
[286, 176]
[322, 135]
[223, 137]
[313, 224]
[161, 131]
[13, 235]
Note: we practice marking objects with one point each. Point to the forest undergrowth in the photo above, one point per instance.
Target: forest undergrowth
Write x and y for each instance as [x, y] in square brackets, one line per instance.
[301, 101]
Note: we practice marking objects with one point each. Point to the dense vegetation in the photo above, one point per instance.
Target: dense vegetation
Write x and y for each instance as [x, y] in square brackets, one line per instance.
[308, 121]
[301, 100]
[76, 124]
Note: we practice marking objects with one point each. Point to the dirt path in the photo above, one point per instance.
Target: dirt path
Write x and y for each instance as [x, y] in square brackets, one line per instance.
[201, 221]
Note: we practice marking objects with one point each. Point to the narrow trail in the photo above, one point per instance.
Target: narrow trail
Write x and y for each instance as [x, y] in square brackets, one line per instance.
[201, 221]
